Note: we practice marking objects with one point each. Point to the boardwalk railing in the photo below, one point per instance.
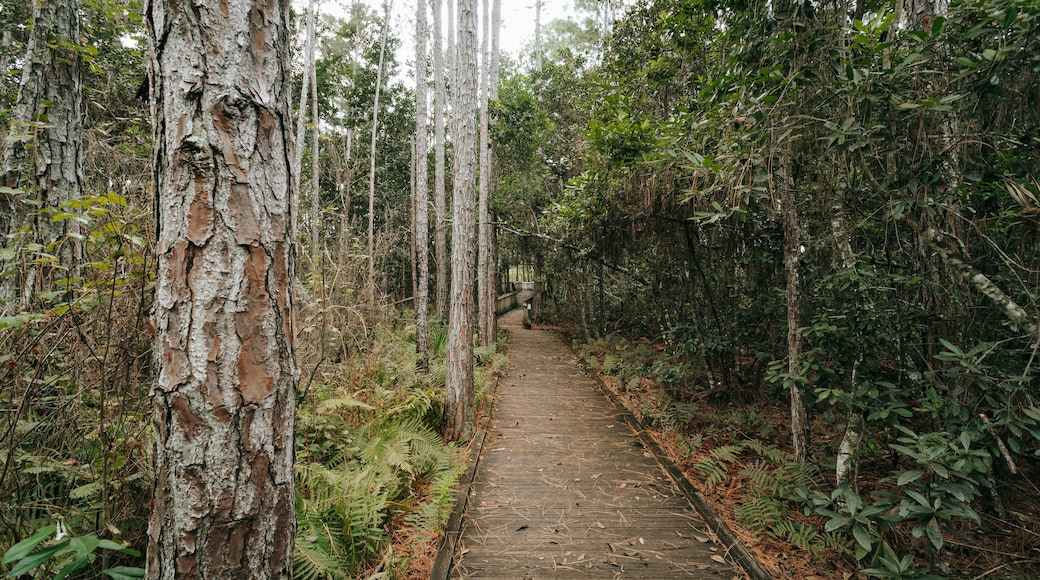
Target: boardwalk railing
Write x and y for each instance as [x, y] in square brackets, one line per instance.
[506, 302]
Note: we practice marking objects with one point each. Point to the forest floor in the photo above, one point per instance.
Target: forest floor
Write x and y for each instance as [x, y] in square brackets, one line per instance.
[1005, 547]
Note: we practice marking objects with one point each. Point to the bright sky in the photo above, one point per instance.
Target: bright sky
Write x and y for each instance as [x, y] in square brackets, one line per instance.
[517, 21]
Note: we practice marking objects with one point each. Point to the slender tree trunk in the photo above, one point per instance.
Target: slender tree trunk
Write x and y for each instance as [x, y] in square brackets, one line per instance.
[372, 167]
[792, 255]
[315, 217]
[422, 221]
[485, 311]
[538, 35]
[224, 398]
[459, 418]
[301, 119]
[45, 162]
[440, 103]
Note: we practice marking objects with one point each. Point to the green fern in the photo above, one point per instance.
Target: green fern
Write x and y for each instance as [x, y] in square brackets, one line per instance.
[759, 513]
[715, 471]
[769, 452]
[689, 446]
[808, 538]
[727, 453]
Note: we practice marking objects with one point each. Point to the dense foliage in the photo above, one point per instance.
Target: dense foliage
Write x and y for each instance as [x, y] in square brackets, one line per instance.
[906, 134]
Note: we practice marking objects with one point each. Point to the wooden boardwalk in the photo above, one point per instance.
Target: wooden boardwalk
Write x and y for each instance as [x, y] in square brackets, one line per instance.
[565, 488]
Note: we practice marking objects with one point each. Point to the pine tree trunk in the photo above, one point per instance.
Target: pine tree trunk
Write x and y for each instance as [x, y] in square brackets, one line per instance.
[459, 421]
[48, 158]
[440, 103]
[224, 398]
[485, 311]
[422, 222]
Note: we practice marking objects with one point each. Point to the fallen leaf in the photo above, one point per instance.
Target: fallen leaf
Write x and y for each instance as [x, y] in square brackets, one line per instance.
[719, 559]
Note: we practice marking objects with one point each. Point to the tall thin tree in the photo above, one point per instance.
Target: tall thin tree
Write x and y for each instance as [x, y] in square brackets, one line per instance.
[485, 311]
[459, 418]
[422, 221]
[440, 103]
[387, 5]
[224, 397]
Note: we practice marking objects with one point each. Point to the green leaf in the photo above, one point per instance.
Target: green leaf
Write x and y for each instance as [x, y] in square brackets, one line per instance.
[110, 545]
[84, 545]
[77, 563]
[125, 573]
[33, 561]
[937, 25]
[1010, 15]
[908, 477]
[863, 537]
[21, 549]
[836, 524]
[85, 490]
[916, 495]
[934, 535]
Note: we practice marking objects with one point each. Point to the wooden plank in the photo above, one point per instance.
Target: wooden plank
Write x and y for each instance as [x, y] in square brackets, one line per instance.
[565, 487]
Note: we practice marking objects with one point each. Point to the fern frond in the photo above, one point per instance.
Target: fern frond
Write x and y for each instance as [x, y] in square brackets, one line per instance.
[714, 471]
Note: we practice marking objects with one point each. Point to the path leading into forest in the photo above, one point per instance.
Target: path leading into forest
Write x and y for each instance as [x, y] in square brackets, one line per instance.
[565, 487]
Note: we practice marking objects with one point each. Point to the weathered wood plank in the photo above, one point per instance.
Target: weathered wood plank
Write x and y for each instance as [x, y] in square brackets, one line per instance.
[565, 488]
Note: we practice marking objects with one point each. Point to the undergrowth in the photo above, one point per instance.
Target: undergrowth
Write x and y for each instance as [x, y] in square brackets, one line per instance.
[792, 515]
[375, 483]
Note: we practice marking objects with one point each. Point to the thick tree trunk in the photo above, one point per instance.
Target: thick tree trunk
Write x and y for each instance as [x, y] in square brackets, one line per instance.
[225, 394]
[422, 221]
[440, 103]
[371, 282]
[459, 419]
[47, 158]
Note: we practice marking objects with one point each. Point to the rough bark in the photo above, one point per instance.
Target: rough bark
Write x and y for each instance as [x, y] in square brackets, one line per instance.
[224, 399]
[485, 309]
[459, 419]
[371, 282]
[439, 194]
[792, 255]
[422, 221]
[44, 160]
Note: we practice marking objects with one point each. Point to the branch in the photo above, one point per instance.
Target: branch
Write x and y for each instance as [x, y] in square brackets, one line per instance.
[940, 242]
[563, 244]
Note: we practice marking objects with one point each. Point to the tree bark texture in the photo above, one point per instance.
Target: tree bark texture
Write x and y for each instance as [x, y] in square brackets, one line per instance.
[459, 418]
[224, 400]
[44, 157]
[792, 255]
[440, 103]
[485, 308]
[422, 194]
